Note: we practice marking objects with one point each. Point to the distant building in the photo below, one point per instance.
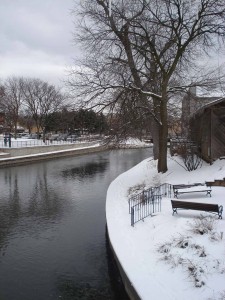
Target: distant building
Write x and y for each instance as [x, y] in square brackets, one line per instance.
[203, 122]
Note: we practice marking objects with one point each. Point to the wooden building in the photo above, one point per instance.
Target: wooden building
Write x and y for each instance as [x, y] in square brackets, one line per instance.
[191, 103]
[207, 129]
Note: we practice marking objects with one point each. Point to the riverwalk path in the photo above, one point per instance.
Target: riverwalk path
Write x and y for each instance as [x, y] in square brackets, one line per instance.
[23, 155]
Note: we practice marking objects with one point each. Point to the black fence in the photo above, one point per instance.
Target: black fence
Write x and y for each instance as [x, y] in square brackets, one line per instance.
[35, 142]
[165, 190]
[145, 209]
[148, 202]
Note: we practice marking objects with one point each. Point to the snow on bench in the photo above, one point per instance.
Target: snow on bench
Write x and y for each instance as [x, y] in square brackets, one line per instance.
[191, 188]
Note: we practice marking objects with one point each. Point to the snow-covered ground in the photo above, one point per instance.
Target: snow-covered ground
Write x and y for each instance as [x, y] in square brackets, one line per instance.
[134, 142]
[166, 256]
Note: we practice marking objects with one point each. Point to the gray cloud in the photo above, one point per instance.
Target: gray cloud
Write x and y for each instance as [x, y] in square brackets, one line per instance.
[36, 38]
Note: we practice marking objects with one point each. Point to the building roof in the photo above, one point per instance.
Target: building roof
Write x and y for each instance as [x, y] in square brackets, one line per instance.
[201, 110]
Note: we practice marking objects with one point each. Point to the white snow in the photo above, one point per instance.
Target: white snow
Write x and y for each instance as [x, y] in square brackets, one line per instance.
[165, 257]
[134, 142]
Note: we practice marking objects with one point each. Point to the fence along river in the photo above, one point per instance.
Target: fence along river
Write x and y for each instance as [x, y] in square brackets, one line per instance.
[53, 228]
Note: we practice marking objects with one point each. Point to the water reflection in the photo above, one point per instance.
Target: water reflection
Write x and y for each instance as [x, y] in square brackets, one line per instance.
[88, 169]
[44, 200]
[52, 228]
[27, 210]
[41, 200]
[10, 210]
[83, 291]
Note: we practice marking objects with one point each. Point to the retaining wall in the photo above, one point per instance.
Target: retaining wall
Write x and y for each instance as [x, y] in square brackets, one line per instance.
[43, 149]
[131, 292]
[38, 156]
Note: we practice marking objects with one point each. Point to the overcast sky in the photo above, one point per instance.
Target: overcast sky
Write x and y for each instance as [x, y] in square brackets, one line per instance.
[36, 38]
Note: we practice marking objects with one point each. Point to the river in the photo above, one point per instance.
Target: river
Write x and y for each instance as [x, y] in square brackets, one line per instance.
[53, 241]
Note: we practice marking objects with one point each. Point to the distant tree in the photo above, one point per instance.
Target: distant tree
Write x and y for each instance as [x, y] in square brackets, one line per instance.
[26, 120]
[2, 93]
[90, 120]
[12, 101]
[69, 121]
[101, 126]
[58, 121]
[41, 100]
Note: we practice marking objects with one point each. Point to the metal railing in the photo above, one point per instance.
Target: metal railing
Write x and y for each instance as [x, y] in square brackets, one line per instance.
[148, 201]
[164, 189]
[36, 142]
[145, 208]
[139, 198]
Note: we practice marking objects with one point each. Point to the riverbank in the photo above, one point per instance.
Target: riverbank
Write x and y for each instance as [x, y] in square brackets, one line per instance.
[166, 256]
[23, 152]
[46, 153]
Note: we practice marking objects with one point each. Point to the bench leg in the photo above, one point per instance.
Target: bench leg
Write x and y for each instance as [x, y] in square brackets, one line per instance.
[209, 193]
[174, 210]
[220, 211]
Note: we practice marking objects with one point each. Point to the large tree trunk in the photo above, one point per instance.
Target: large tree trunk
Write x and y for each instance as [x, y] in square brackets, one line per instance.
[163, 135]
[155, 137]
[155, 126]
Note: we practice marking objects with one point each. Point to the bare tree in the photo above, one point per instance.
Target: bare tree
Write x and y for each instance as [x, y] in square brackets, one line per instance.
[12, 101]
[144, 46]
[2, 93]
[41, 99]
[2, 97]
[26, 120]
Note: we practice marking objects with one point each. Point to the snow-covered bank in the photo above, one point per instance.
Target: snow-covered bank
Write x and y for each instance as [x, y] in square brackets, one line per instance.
[167, 257]
[38, 156]
[133, 143]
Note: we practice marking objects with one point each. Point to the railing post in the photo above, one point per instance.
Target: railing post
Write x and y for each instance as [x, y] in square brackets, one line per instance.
[132, 216]
[153, 204]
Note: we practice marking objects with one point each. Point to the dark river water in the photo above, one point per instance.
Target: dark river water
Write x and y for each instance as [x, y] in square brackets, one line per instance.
[53, 241]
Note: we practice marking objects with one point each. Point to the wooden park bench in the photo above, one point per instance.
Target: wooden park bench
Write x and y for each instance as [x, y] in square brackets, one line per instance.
[212, 208]
[190, 188]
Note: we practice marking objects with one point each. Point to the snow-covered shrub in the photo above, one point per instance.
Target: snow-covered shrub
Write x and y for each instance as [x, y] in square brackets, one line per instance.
[134, 190]
[215, 236]
[165, 248]
[178, 252]
[196, 254]
[182, 241]
[220, 296]
[189, 152]
[203, 225]
[156, 179]
[196, 272]
[199, 250]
